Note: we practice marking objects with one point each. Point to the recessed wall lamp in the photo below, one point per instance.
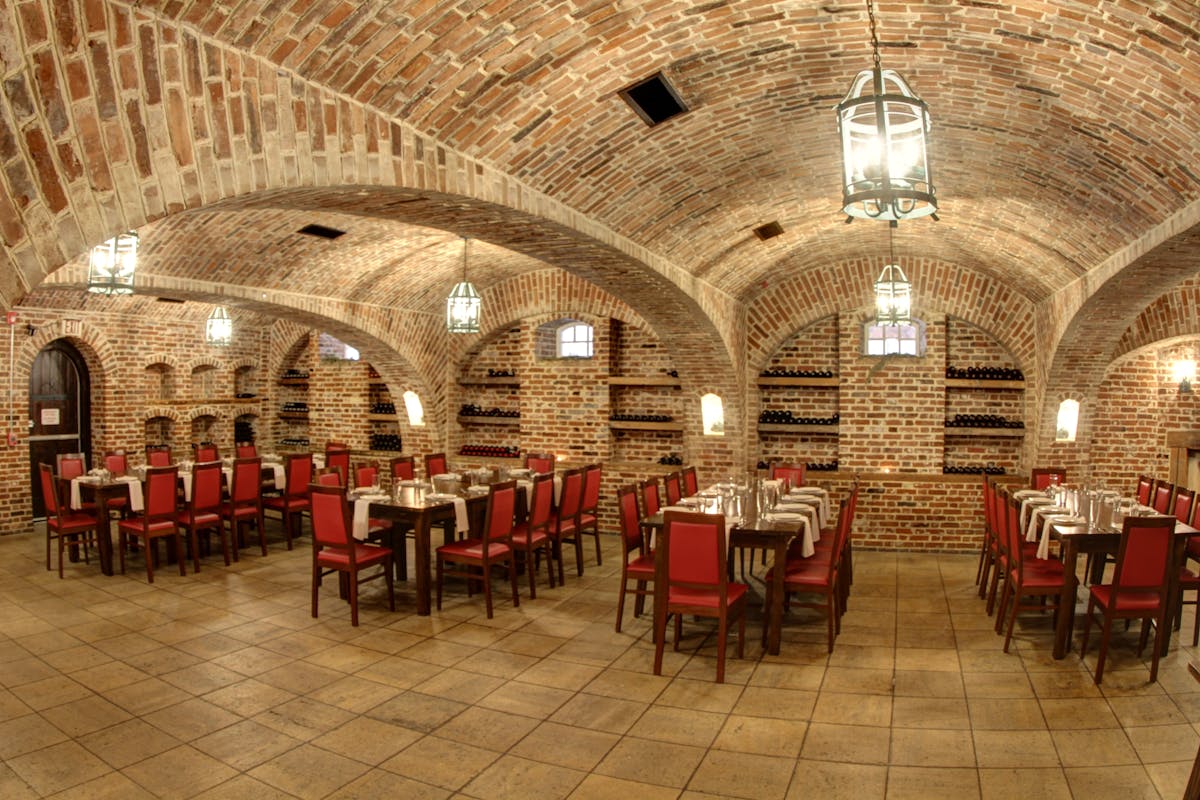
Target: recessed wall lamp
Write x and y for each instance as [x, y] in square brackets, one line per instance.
[1184, 372]
[885, 164]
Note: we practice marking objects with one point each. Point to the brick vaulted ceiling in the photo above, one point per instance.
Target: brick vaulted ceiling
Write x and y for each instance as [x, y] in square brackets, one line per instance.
[1062, 130]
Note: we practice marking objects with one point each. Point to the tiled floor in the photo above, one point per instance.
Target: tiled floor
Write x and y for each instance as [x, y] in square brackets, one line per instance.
[222, 685]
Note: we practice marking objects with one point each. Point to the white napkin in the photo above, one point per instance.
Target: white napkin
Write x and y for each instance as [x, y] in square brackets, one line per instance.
[1030, 502]
[527, 486]
[280, 476]
[557, 480]
[1021, 494]
[136, 501]
[1043, 551]
[462, 522]
[1031, 532]
[807, 493]
[665, 509]
[806, 529]
[362, 514]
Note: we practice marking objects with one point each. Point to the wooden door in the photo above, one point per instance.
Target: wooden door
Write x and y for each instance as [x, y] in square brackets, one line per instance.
[59, 411]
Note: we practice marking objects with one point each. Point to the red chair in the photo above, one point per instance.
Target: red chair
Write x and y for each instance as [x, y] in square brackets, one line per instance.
[1026, 575]
[532, 536]
[329, 477]
[987, 547]
[1139, 589]
[292, 504]
[540, 462]
[691, 485]
[158, 455]
[71, 465]
[81, 528]
[116, 463]
[246, 450]
[1041, 478]
[204, 510]
[565, 525]
[792, 473]
[476, 557]
[1162, 497]
[815, 576]
[435, 464]
[691, 581]
[401, 469]
[641, 569]
[1181, 506]
[335, 550]
[672, 488]
[205, 452]
[1144, 485]
[245, 502]
[339, 459]
[366, 476]
[650, 505]
[589, 508]
[157, 521]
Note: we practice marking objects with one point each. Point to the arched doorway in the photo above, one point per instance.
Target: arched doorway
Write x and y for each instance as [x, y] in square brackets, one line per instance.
[60, 396]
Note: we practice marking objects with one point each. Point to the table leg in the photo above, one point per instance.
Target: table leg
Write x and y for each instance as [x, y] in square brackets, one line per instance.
[775, 612]
[421, 568]
[1066, 601]
[104, 535]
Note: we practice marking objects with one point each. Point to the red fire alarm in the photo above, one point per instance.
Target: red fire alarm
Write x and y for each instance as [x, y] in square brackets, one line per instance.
[11, 317]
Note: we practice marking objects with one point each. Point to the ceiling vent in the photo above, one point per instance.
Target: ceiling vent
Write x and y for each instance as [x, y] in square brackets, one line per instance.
[768, 231]
[654, 100]
[321, 231]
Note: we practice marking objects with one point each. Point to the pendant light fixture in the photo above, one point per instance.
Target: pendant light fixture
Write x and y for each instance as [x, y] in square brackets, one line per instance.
[893, 292]
[885, 163]
[218, 331]
[464, 305]
[112, 264]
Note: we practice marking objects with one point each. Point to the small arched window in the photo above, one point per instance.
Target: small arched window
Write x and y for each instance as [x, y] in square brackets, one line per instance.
[416, 411]
[574, 340]
[1068, 421]
[712, 413]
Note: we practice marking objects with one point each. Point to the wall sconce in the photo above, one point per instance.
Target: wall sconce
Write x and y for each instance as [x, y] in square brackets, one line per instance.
[1184, 372]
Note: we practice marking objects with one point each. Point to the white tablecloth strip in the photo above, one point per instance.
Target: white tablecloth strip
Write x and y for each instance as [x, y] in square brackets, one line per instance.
[811, 513]
[362, 514]
[806, 528]
[813, 493]
[1036, 513]
[136, 500]
[1032, 502]
[1043, 551]
[462, 522]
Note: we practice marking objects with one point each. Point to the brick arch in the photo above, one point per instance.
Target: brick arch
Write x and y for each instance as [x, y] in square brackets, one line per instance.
[161, 358]
[1174, 315]
[245, 363]
[207, 411]
[160, 412]
[205, 361]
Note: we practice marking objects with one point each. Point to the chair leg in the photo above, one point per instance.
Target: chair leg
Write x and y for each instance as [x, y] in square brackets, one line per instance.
[579, 552]
[722, 635]
[512, 578]
[1012, 618]
[61, 547]
[529, 567]
[150, 551]
[440, 568]
[1196, 621]
[354, 598]
[316, 583]
[487, 589]
[621, 601]
[829, 614]
[180, 555]
[391, 588]
[1105, 636]
[596, 533]
[1160, 632]
[262, 532]
[194, 541]
[121, 541]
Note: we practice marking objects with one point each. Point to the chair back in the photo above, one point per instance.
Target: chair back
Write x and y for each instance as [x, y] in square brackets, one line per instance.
[572, 494]
[539, 462]
[206, 487]
[70, 465]
[631, 529]
[695, 550]
[330, 476]
[1144, 485]
[1184, 498]
[116, 463]
[649, 492]
[672, 487]
[158, 456]
[501, 507]
[205, 452]
[841, 532]
[1162, 497]
[366, 475]
[299, 469]
[541, 502]
[691, 484]
[160, 493]
[792, 473]
[1145, 555]
[1008, 512]
[338, 459]
[591, 489]
[1043, 477]
[247, 481]
[330, 518]
[246, 450]
[435, 464]
[49, 490]
[401, 468]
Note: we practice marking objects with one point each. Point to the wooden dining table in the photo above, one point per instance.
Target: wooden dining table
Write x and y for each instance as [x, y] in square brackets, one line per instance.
[102, 491]
[1076, 538]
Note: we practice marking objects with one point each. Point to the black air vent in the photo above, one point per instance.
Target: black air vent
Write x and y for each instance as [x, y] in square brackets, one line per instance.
[654, 100]
[768, 231]
[322, 231]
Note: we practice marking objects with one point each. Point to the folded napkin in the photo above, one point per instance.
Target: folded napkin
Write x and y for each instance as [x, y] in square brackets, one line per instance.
[1032, 531]
[813, 494]
[1030, 502]
[1021, 494]
[409, 482]
[1043, 551]
[136, 501]
[786, 516]
[462, 522]
[677, 508]
[362, 513]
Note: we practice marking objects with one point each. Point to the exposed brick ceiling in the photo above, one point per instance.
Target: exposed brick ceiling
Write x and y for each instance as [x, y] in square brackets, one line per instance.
[1062, 130]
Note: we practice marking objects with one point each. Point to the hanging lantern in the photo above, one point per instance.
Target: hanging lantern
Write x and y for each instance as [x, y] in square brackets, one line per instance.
[893, 297]
[218, 330]
[464, 306]
[112, 264]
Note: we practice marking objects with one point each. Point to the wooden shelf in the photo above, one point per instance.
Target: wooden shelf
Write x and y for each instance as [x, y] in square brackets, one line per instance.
[382, 417]
[619, 380]
[489, 382]
[471, 419]
[994, 385]
[779, 427]
[669, 427]
[294, 416]
[293, 382]
[985, 433]
[376, 382]
[812, 383]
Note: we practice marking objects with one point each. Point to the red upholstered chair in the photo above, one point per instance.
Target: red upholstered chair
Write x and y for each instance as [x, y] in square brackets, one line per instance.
[246, 450]
[435, 464]
[158, 455]
[339, 459]
[792, 473]
[540, 462]
[987, 546]
[640, 570]
[831, 546]
[565, 523]
[245, 502]
[691, 581]
[589, 507]
[650, 503]
[691, 485]
[1043, 477]
[1144, 485]
[672, 488]
[205, 452]
[292, 504]
[335, 549]
[116, 463]
[330, 476]
[157, 521]
[203, 512]
[70, 465]
[532, 536]
[366, 476]
[1026, 575]
[1162, 496]
[817, 576]
[61, 523]
[1181, 505]
[1139, 589]
[474, 558]
[401, 469]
